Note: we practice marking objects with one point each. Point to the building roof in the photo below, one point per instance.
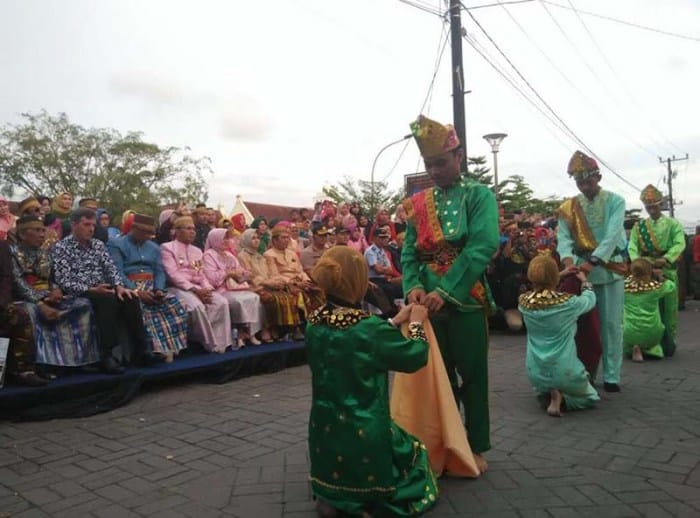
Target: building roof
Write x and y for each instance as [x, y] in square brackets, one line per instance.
[270, 211]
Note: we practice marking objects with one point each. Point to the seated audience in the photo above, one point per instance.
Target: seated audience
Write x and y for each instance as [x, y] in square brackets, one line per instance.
[139, 262]
[282, 262]
[283, 307]
[7, 219]
[83, 267]
[16, 324]
[210, 323]
[224, 272]
[319, 243]
[381, 271]
[104, 219]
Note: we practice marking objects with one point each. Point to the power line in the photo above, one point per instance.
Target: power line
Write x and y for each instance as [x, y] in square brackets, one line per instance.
[631, 24]
[497, 4]
[423, 7]
[629, 93]
[549, 107]
[442, 45]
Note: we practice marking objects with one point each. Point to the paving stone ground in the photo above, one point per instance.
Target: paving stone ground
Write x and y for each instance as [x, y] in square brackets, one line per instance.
[239, 449]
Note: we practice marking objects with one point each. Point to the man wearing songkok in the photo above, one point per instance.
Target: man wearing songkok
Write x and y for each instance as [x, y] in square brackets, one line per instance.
[660, 239]
[362, 462]
[63, 328]
[319, 243]
[16, 325]
[83, 267]
[210, 322]
[282, 262]
[554, 370]
[139, 262]
[452, 234]
[591, 238]
[381, 272]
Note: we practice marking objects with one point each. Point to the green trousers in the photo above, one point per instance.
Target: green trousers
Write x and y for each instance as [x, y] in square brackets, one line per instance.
[668, 307]
[463, 340]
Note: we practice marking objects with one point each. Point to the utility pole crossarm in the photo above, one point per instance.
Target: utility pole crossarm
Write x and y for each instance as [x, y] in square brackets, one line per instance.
[669, 180]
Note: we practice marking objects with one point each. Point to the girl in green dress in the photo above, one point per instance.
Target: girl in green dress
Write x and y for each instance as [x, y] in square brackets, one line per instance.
[643, 329]
[362, 463]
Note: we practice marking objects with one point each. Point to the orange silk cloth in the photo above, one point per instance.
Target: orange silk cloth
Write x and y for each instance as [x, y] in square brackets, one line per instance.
[422, 403]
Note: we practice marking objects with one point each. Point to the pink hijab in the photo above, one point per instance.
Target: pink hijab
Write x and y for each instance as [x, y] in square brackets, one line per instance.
[7, 221]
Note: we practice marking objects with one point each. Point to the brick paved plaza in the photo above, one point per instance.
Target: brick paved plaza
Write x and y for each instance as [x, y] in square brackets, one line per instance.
[239, 449]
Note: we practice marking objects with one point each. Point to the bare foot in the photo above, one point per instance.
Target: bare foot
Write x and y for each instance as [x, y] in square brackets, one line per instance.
[481, 463]
[637, 354]
[554, 408]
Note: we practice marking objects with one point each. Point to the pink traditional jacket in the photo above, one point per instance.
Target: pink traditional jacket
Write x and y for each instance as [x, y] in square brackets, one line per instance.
[183, 266]
[216, 266]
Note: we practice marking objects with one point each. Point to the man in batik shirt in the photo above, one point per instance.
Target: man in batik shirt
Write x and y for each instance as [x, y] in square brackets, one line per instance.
[83, 267]
[660, 239]
[139, 262]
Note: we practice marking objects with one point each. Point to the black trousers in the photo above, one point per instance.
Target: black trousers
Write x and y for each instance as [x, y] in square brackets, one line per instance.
[119, 324]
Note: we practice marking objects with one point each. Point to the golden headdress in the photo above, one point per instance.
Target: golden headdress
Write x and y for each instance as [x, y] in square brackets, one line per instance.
[651, 195]
[581, 166]
[433, 138]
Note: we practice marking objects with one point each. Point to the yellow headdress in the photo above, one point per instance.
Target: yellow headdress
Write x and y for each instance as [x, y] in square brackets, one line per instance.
[581, 166]
[433, 138]
[651, 195]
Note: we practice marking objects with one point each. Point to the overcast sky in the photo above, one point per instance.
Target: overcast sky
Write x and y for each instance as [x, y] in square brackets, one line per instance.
[288, 95]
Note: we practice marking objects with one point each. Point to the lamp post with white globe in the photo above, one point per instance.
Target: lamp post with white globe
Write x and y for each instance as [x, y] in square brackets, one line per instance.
[494, 139]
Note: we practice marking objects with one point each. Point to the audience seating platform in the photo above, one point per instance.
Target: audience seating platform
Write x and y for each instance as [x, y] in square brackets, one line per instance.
[86, 393]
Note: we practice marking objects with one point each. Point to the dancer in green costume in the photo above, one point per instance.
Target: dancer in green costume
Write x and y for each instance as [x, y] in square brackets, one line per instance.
[660, 240]
[362, 463]
[552, 364]
[643, 329]
[451, 236]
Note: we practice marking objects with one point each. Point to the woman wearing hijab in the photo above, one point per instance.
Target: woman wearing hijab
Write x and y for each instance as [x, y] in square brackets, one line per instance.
[362, 462]
[260, 225]
[223, 271]
[282, 308]
[104, 218]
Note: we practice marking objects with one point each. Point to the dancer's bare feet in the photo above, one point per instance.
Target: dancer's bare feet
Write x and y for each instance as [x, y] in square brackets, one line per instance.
[481, 463]
[637, 354]
[554, 408]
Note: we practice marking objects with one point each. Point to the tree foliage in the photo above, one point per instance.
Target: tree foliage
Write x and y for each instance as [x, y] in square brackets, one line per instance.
[47, 155]
[349, 189]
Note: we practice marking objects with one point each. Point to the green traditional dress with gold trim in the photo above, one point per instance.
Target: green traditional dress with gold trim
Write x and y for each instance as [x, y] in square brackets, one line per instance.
[659, 238]
[643, 325]
[360, 459]
[551, 359]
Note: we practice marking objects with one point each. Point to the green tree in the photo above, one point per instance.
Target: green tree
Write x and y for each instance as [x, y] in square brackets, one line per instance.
[349, 189]
[48, 155]
[478, 170]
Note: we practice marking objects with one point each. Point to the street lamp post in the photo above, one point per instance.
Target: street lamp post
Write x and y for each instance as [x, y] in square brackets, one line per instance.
[494, 139]
[374, 164]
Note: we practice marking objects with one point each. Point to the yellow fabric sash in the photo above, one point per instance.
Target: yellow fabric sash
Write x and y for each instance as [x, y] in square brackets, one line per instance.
[571, 212]
[422, 403]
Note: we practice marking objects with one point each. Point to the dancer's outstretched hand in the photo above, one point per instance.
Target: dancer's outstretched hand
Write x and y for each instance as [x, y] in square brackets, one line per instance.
[402, 315]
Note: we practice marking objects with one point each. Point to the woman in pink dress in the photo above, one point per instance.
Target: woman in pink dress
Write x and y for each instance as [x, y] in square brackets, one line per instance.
[7, 219]
[225, 273]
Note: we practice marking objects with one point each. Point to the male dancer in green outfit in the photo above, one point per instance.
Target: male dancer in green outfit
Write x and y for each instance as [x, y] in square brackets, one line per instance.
[452, 234]
[660, 240]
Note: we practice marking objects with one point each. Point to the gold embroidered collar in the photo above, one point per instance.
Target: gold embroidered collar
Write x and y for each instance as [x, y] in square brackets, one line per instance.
[633, 285]
[542, 299]
[340, 317]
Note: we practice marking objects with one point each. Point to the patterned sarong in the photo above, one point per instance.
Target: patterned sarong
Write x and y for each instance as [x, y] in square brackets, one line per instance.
[165, 323]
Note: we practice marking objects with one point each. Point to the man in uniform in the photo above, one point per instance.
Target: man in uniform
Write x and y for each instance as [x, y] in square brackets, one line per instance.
[660, 240]
[591, 238]
[452, 234]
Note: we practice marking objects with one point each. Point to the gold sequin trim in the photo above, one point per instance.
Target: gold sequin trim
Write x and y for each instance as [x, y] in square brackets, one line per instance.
[339, 317]
[378, 489]
[635, 286]
[542, 299]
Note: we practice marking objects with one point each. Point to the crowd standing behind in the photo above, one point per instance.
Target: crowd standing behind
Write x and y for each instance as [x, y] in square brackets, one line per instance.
[78, 290]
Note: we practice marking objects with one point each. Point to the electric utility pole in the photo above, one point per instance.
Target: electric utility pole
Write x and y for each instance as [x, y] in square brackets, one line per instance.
[458, 91]
[669, 179]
